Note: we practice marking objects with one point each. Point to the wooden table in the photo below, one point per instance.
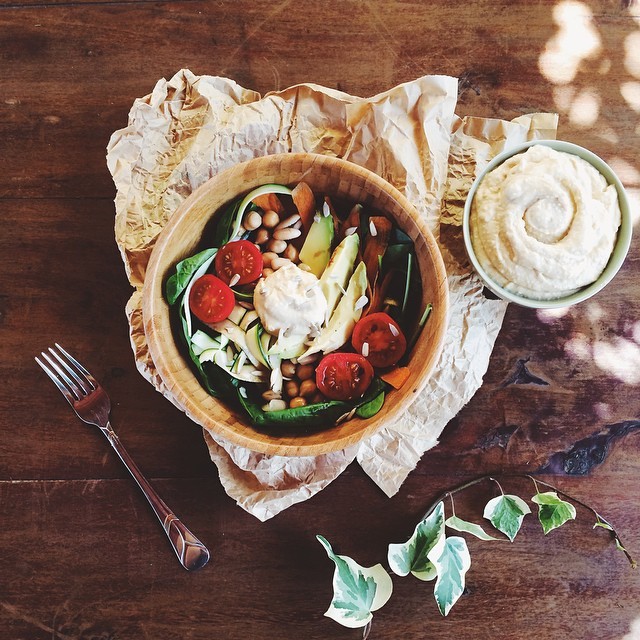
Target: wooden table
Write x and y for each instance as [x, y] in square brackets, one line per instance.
[82, 555]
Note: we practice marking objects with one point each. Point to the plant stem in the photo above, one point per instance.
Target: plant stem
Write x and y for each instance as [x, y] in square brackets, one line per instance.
[536, 481]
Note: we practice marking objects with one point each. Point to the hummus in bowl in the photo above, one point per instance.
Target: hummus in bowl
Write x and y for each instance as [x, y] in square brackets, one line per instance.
[547, 224]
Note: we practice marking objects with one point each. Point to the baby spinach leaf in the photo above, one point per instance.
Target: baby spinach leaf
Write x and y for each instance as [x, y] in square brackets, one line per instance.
[413, 556]
[357, 590]
[178, 282]
[312, 416]
[451, 564]
[226, 224]
[468, 527]
[369, 409]
[506, 513]
[553, 512]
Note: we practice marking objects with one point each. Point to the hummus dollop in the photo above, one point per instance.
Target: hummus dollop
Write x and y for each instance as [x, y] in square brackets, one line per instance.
[290, 303]
[544, 223]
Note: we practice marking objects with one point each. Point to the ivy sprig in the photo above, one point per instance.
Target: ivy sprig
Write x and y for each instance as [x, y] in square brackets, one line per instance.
[430, 554]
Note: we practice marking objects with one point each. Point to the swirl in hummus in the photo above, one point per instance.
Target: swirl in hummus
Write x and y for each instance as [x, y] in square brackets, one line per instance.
[544, 223]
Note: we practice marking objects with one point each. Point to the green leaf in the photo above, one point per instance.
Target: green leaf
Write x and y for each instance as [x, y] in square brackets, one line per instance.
[311, 416]
[369, 409]
[412, 556]
[452, 563]
[553, 512]
[178, 282]
[468, 527]
[226, 224]
[357, 590]
[506, 513]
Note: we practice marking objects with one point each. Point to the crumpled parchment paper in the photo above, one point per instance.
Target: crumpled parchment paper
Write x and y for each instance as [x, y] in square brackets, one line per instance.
[192, 127]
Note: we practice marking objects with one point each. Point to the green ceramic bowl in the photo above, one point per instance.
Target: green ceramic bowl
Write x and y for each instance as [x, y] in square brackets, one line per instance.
[617, 256]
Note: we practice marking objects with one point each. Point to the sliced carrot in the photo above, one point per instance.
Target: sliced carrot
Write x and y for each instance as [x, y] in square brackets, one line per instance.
[376, 245]
[396, 377]
[305, 203]
[269, 202]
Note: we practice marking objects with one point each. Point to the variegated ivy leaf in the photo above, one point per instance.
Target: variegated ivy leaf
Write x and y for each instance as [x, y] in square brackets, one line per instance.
[468, 527]
[553, 512]
[506, 512]
[452, 563]
[357, 591]
[412, 556]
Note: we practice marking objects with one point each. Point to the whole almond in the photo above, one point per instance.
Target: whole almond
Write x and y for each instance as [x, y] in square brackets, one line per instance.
[288, 222]
[277, 246]
[287, 234]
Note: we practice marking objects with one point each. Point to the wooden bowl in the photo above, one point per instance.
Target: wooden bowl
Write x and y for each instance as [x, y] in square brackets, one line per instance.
[180, 239]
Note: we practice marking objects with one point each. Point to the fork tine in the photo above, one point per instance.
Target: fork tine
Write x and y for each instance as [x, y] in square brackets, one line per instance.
[71, 385]
[56, 380]
[85, 386]
[85, 373]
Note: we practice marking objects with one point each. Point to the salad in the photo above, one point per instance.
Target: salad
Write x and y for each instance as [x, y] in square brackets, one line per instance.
[302, 309]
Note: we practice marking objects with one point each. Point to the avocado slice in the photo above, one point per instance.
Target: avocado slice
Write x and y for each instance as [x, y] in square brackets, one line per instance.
[316, 249]
[335, 277]
[338, 331]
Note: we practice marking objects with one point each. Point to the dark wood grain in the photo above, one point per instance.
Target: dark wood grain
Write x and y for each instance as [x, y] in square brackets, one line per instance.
[82, 555]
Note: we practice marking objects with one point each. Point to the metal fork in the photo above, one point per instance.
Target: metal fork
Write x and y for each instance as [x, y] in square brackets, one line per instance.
[92, 405]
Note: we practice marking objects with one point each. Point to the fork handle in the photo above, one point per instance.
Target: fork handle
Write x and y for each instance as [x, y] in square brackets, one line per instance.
[191, 553]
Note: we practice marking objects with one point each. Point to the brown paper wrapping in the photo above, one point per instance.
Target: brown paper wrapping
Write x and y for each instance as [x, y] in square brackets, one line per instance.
[191, 127]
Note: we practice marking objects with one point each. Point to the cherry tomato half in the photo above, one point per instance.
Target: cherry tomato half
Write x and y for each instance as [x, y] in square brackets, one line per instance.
[241, 258]
[210, 299]
[385, 342]
[343, 376]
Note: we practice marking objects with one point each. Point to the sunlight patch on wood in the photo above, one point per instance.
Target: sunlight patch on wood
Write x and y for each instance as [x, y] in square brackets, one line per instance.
[548, 316]
[631, 93]
[631, 59]
[577, 40]
[585, 109]
[619, 357]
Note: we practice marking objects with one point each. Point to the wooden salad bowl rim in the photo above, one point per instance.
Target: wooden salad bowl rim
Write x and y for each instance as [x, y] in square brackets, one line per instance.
[181, 237]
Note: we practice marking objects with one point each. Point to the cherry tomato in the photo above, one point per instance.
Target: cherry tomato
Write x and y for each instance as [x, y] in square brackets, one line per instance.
[343, 376]
[239, 258]
[379, 338]
[210, 299]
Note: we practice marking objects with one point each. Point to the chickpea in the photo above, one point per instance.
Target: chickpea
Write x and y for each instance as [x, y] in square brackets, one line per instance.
[266, 272]
[288, 369]
[270, 219]
[267, 257]
[307, 388]
[297, 402]
[291, 388]
[304, 267]
[305, 371]
[252, 221]
[291, 253]
[278, 262]
[262, 236]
